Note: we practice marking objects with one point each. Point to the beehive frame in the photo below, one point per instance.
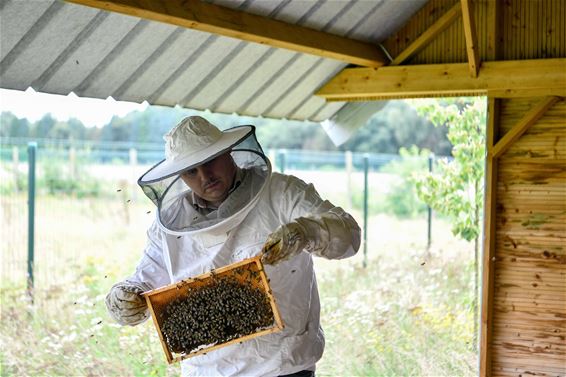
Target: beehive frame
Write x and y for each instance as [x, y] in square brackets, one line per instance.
[249, 270]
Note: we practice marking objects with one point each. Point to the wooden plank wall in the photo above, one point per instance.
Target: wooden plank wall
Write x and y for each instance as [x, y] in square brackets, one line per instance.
[529, 298]
[531, 29]
[526, 335]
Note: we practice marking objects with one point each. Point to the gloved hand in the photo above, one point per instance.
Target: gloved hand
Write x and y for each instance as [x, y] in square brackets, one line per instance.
[125, 303]
[287, 241]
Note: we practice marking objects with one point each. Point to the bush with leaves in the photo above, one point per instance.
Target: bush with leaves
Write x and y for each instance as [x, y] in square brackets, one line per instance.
[454, 188]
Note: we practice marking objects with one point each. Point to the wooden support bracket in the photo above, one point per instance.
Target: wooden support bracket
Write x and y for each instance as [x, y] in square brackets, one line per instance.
[471, 38]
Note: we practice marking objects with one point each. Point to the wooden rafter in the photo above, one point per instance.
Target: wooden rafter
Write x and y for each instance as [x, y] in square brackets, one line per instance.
[471, 38]
[439, 26]
[194, 14]
[504, 79]
[530, 118]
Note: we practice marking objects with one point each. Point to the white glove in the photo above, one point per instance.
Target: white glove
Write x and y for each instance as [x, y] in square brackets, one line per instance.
[287, 241]
[125, 303]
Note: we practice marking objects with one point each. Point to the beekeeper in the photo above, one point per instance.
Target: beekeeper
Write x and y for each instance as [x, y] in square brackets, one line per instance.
[218, 203]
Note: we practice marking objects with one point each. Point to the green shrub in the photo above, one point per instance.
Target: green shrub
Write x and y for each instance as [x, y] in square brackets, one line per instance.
[401, 199]
[56, 180]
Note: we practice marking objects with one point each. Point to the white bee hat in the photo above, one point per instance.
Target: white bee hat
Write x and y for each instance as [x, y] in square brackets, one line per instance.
[192, 142]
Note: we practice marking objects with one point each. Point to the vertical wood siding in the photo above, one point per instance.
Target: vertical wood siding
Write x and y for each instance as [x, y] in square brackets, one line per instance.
[528, 326]
[532, 29]
[529, 304]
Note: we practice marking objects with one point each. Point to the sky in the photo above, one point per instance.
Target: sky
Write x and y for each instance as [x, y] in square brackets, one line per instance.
[92, 112]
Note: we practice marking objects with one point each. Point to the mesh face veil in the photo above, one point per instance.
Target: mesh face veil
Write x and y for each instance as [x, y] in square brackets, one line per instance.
[179, 208]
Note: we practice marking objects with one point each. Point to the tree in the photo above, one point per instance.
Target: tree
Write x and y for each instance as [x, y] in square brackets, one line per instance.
[43, 126]
[455, 187]
[60, 131]
[398, 125]
[11, 126]
[117, 130]
[77, 129]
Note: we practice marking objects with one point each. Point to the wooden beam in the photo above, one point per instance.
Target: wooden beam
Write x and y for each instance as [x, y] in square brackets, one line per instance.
[471, 38]
[210, 18]
[494, 27]
[439, 26]
[530, 118]
[489, 244]
[502, 79]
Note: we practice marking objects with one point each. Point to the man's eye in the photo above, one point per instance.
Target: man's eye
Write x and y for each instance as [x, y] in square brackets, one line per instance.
[191, 173]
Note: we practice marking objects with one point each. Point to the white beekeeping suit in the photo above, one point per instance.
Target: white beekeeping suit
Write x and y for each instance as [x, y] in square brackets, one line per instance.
[185, 241]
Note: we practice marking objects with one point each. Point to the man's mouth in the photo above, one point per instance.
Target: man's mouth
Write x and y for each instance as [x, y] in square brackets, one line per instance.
[212, 184]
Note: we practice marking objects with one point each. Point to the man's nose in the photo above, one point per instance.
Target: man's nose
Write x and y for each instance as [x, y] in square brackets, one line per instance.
[204, 173]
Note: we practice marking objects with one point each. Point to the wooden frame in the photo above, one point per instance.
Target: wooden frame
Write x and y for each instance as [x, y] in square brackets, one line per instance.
[489, 225]
[249, 270]
[490, 199]
[522, 126]
[195, 14]
[471, 37]
[502, 79]
[439, 26]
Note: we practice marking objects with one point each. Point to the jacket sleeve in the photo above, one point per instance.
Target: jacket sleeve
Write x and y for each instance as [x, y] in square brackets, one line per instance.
[151, 271]
[331, 232]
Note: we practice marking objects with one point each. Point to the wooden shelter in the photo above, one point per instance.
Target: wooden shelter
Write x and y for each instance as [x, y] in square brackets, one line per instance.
[515, 55]
[280, 64]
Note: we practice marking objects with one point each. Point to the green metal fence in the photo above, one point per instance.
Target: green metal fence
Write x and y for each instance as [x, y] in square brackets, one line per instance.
[54, 193]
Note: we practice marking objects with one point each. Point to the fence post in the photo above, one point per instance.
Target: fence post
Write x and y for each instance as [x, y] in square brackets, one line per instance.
[32, 148]
[16, 167]
[429, 210]
[349, 164]
[282, 154]
[133, 165]
[366, 194]
[73, 162]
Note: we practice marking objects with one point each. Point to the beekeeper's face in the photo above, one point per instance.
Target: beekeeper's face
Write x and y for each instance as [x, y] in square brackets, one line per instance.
[212, 180]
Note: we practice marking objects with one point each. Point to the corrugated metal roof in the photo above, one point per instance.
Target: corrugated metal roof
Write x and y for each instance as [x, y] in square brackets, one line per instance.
[57, 47]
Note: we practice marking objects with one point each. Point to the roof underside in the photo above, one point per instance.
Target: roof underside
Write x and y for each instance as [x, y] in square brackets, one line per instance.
[56, 47]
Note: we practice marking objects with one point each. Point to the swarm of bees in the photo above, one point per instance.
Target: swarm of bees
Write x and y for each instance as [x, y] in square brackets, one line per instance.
[216, 313]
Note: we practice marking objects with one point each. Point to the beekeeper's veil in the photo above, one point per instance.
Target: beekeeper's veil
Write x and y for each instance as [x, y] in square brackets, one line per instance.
[191, 143]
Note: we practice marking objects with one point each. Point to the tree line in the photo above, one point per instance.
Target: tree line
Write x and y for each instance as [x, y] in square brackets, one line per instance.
[397, 125]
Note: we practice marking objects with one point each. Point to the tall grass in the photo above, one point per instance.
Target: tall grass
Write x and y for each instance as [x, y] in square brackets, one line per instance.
[398, 317]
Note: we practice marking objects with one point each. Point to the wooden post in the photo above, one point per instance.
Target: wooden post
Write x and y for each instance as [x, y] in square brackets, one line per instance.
[73, 163]
[133, 166]
[489, 225]
[124, 193]
[429, 210]
[282, 154]
[32, 153]
[366, 196]
[16, 167]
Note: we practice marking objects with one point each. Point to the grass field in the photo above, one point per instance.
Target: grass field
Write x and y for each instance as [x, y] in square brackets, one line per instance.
[408, 312]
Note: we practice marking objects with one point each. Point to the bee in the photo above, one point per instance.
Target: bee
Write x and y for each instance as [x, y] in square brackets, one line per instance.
[222, 310]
